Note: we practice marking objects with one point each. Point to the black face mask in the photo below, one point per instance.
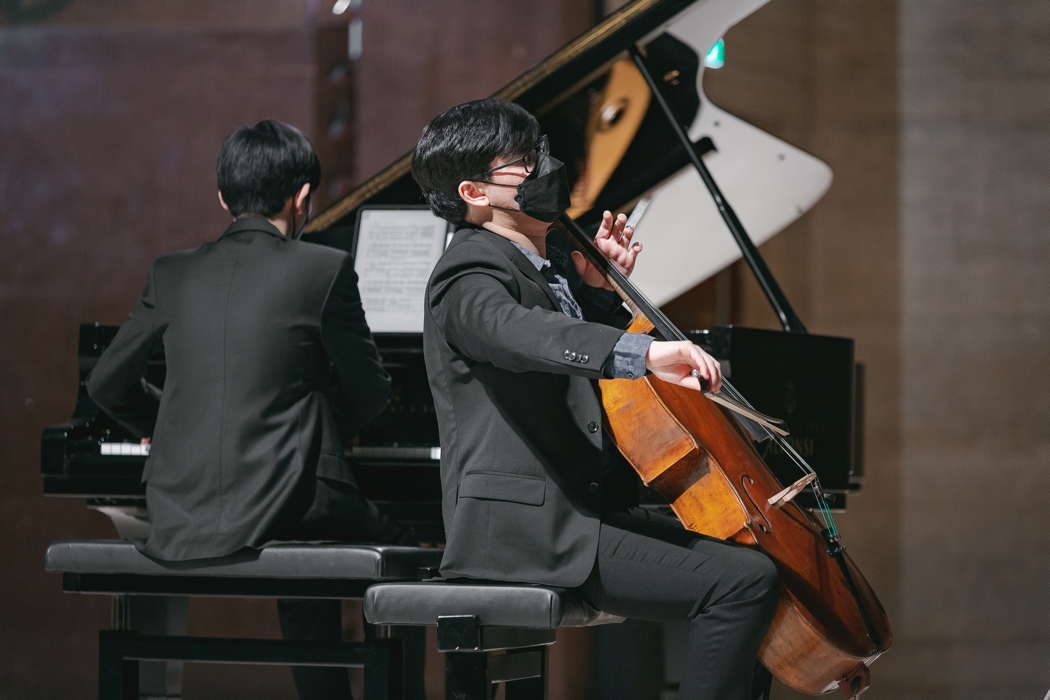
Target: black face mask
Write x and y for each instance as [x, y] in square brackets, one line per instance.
[544, 194]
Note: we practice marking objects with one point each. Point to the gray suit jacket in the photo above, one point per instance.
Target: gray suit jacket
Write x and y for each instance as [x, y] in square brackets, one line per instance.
[525, 473]
[270, 367]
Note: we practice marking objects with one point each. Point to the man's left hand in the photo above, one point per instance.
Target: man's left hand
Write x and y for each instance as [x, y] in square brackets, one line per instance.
[614, 240]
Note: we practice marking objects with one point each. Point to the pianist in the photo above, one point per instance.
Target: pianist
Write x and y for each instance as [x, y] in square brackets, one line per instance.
[515, 336]
[270, 369]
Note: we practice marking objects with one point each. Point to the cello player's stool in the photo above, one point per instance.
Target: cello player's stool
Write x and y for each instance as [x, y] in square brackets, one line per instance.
[516, 621]
[286, 570]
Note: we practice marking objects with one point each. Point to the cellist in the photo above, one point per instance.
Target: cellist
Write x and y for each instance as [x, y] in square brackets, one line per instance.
[516, 335]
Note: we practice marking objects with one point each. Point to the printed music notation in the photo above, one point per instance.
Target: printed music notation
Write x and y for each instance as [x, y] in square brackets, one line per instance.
[395, 250]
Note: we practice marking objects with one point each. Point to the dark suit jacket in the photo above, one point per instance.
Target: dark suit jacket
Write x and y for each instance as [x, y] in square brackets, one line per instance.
[524, 471]
[270, 367]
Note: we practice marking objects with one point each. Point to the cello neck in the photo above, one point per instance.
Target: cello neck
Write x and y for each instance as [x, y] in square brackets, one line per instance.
[620, 283]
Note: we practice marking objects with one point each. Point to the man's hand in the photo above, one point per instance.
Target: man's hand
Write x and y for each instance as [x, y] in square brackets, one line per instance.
[674, 362]
[614, 240]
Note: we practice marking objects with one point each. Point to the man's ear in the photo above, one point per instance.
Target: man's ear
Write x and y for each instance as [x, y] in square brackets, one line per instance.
[470, 193]
[222, 202]
[300, 197]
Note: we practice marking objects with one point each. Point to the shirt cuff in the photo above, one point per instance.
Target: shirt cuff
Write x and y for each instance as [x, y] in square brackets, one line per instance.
[627, 359]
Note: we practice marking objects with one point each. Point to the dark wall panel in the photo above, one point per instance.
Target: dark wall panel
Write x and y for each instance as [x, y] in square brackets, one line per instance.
[109, 140]
[416, 63]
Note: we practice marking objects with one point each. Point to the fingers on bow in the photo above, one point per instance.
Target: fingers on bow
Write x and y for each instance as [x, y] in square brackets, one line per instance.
[707, 367]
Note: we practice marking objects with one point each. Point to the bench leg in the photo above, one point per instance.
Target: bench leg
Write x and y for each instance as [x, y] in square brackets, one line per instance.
[534, 688]
[162, 615]
[413, 655]
[528, 689]
[120, 651]
[384, 671]
[466, 676]
[474, 675]
[118, 678]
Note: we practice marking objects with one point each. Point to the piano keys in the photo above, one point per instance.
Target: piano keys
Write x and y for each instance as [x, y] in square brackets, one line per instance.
[395, 458]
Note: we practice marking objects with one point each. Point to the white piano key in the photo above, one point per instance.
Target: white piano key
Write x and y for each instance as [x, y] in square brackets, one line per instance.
[124, 449]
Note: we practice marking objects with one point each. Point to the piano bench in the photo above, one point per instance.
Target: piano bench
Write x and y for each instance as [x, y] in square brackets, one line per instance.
[285, 570]
[475, 619]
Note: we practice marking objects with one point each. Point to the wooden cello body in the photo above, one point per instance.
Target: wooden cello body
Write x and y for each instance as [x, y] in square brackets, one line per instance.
[826, 628]
[829, 624]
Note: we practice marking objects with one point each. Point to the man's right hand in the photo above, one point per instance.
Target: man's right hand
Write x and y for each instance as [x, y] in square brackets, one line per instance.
[674, 362]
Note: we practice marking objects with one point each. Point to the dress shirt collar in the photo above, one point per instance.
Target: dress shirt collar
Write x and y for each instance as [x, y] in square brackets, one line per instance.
[557, 258]
[537, 260]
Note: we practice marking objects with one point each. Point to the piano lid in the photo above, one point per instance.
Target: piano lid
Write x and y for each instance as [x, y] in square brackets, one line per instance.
[599, 115]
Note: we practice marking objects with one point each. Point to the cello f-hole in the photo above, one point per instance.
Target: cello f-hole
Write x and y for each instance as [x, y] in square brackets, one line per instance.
[765, 526]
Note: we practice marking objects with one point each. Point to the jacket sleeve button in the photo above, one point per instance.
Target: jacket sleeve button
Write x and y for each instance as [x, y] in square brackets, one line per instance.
[567, 354]
[593, 426]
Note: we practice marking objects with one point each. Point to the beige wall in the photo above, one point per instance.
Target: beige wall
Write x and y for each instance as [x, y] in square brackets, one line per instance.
[820, 75]
[931, 250]
[975, 326]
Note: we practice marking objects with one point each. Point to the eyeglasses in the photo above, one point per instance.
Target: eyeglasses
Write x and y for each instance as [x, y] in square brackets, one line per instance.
[527, 161]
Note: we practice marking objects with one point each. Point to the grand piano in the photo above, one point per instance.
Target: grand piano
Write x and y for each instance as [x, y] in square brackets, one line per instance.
[603, 121]
[598, 108]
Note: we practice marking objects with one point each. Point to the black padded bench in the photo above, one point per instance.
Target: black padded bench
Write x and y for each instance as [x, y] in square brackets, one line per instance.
[288, 570]
[476, 619]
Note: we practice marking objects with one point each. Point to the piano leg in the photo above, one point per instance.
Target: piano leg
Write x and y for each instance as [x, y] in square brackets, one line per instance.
[161, 615]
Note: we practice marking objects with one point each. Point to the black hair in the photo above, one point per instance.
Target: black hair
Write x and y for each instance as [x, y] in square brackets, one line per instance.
[261, 166]
[461, 143]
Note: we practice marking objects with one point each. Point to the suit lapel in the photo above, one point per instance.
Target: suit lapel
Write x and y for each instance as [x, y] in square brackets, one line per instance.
[522, 263]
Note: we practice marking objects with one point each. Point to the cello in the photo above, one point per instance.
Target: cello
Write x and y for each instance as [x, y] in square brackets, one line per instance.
[829, 625]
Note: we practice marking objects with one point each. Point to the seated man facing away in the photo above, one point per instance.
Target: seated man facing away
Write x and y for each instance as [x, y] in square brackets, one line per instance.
[271, 368]
[515, 337]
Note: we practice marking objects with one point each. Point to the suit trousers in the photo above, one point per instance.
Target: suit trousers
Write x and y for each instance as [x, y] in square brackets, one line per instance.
[339, 512]
[649, 568]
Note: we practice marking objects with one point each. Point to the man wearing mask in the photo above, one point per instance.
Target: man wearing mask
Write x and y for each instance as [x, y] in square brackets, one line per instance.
[516, 333]
[271, 368]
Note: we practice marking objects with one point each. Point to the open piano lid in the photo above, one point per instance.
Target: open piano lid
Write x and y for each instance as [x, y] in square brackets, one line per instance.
[601, 121]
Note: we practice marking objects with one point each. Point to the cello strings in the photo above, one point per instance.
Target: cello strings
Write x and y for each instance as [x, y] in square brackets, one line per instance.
[671, 332]
[780, 441]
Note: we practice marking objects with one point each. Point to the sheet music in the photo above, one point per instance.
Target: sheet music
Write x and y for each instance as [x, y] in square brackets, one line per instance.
[395, 251]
